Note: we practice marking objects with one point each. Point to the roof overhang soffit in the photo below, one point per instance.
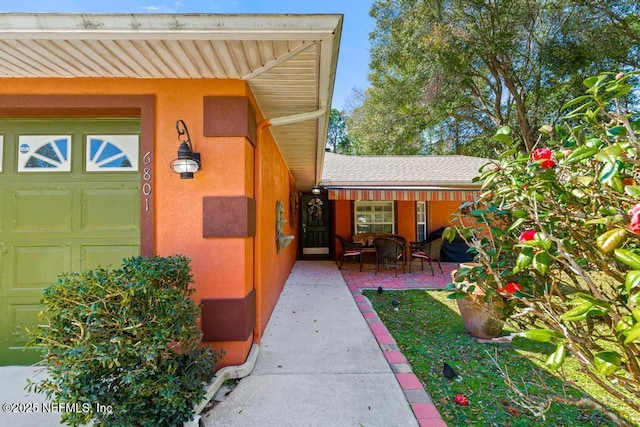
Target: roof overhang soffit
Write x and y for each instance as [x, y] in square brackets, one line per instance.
[289, 61]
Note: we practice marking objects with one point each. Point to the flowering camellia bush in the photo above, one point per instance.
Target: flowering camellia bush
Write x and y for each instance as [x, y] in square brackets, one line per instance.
[557, 236]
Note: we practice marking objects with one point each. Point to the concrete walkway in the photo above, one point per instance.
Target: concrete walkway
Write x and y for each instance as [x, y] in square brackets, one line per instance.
[319, 363]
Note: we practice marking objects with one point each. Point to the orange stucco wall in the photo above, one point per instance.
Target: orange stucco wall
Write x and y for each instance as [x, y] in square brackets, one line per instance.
[342, 223]
[222, 267]
[272, 268]
[438, 214]
[406, 219]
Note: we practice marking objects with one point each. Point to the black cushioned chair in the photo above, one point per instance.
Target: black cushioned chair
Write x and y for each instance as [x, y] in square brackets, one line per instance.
[389, 250]
[349, 250]
[426, 251]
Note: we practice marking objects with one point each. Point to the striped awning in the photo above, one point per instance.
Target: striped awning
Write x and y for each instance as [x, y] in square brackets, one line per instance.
[408, 195]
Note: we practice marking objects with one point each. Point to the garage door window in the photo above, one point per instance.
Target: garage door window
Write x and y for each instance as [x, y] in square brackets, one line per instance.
[112, 153]
[44, 153]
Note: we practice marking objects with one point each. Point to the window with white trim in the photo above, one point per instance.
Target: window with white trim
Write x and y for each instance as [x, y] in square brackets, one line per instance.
[421, 221]
[373, 216]
[112, 153]
[44, 153]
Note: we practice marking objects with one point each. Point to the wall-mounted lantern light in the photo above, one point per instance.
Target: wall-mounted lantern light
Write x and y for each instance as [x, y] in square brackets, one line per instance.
[187, 162]
[316, 190]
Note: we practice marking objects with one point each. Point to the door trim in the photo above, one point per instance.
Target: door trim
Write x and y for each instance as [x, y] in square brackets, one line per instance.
[315, 251]
[102, 106]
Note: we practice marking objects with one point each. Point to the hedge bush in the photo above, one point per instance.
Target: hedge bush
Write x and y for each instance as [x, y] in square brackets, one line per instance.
[123, 344]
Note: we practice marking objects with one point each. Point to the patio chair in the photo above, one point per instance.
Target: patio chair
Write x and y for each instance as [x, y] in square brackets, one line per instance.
[389, 250]
[403, 242]
[349, 250]
[429, 251]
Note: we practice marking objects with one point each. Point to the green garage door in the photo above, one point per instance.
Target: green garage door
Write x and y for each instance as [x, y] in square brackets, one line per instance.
[69, 201]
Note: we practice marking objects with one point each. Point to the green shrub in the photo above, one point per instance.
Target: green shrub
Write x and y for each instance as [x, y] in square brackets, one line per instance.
[122, 344]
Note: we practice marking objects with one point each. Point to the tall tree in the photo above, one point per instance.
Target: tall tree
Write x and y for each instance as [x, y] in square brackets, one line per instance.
[466, 67]
[337, 139]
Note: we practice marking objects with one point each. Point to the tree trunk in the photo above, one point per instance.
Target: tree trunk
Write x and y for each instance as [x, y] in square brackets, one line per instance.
[519, 98]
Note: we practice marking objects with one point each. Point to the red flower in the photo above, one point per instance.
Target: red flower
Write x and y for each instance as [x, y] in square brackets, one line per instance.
[527, 235]
[509, 289]
[634, 213]
[541, 154]
[547, 164]
[461, 400]
[513, 287]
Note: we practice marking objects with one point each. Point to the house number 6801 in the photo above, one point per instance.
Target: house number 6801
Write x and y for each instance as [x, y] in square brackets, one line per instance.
[146, 178]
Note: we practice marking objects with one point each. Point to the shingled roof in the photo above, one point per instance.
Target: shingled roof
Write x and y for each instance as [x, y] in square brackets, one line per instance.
[400, 171]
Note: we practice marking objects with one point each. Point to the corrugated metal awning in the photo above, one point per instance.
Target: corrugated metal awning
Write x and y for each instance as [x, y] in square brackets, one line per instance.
[443, 195]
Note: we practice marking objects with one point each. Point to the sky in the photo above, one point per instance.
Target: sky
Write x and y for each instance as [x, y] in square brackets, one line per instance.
[353, 57]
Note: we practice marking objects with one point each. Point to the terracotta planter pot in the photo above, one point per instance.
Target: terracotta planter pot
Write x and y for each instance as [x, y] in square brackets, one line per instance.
[480, 318]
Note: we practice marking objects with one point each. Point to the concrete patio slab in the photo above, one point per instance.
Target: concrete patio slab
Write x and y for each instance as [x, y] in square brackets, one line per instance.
[319, 363]
[314, 400]
[318, 329]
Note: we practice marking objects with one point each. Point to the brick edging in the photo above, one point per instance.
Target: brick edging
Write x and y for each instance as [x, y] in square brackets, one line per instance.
[419, 399]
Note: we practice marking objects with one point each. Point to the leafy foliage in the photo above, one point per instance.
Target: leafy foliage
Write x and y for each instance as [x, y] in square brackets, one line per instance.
[338, 140]
[126, 338]
[445, 74]
[563, 222]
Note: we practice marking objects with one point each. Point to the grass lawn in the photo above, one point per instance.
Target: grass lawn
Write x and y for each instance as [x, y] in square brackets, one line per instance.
[429, 332]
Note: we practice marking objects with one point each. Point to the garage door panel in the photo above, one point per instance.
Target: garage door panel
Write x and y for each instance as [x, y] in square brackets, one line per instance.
[110, 210]
[38, 266]
[23, 318]
[17, 315]
[55, 223]
[43, 210]
[107, 256]
[5, 271]
[2, 191]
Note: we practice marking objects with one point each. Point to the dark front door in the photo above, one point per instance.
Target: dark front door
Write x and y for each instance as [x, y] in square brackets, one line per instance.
[315, 225]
